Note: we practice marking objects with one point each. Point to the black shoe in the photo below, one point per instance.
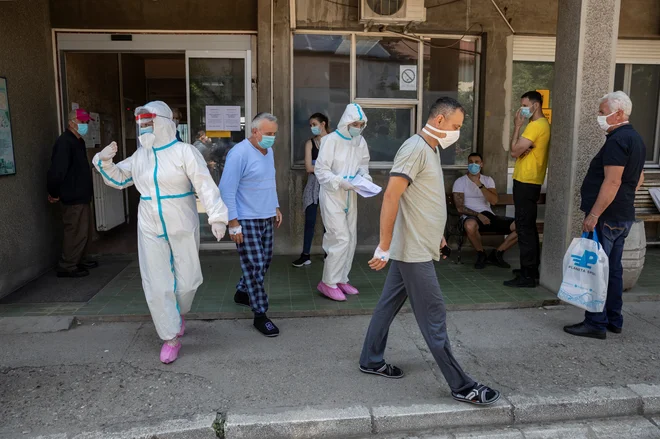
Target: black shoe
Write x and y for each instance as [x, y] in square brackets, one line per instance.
[518, 272]
[614, 329]
[302, 261]
[478, 395]
[387, 371]
[241, 298]
[497, 258]
[266, 326]
[520, 282]
[87, 265]
[481, 260]
[78, 272]
[582, 330]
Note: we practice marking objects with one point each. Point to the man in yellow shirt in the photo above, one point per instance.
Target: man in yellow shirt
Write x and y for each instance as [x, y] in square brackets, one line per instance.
[531, 153]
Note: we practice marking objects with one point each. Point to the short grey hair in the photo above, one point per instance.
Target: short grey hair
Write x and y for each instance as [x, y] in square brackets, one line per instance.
[618, 100]
[259, 118]
[73, 115]
[445, 106]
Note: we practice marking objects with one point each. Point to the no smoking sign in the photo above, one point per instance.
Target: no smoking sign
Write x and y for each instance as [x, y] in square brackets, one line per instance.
[408, 78]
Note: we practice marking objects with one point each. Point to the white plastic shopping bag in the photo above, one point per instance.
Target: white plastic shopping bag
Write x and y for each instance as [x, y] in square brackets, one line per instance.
[586, 273]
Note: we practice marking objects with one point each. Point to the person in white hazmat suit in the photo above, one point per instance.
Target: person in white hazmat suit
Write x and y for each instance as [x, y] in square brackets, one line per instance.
[167, 173]
[342, 155]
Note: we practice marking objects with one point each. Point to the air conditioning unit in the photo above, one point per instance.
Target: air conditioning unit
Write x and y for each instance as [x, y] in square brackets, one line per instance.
[392, 11]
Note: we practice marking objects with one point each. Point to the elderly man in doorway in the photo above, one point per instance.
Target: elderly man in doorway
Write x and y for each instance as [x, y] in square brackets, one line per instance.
[250, 193]
[70, 182]
[608, 201]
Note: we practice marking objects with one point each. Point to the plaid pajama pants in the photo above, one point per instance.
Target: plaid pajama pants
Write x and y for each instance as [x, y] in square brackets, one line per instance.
[256, 253]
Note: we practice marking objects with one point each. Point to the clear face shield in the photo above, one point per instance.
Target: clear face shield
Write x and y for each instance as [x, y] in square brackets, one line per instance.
[144, 127]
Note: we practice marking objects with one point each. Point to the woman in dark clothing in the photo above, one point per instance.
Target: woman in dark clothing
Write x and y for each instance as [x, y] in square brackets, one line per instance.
[319, 125]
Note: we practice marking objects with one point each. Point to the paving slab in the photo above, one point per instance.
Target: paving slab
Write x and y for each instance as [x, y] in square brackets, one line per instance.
[625, 428]
[491, 434]
[300, 423]
[34, 325]
[557, 431]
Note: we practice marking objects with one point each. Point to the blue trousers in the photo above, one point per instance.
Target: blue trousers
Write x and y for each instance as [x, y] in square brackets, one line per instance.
[612, 236]
[256, 254]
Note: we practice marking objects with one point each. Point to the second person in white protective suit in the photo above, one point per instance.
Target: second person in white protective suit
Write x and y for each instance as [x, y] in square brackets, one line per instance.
[342, 156]
[167, 173]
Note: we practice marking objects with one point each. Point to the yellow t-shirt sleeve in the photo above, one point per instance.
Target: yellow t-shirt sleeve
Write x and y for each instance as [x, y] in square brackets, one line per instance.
[532, 132]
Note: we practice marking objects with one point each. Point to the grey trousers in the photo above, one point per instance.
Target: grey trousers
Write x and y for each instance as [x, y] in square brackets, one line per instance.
[419, 282]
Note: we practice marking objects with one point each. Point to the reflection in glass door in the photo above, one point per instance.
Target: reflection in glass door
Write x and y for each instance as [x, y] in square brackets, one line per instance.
[219, 113]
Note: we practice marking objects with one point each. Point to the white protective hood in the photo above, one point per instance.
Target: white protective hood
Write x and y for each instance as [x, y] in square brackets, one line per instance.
[164, 128]
[353, 113]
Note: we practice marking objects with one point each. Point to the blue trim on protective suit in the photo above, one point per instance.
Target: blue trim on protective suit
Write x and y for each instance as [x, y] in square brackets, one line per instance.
[110, 179]
[342, 136]
[168, 197]
[166, 146]
[359, 111]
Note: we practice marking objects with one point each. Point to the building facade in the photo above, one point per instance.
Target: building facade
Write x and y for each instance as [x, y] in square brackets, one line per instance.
[216, 59]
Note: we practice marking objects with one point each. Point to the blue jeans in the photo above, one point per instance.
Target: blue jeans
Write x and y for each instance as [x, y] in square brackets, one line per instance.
[612, 236]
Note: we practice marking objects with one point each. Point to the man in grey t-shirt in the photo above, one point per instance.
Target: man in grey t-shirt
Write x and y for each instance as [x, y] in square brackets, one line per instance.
[411, 220]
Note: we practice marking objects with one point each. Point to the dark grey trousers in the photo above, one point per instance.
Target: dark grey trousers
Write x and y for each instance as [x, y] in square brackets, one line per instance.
[419, 282]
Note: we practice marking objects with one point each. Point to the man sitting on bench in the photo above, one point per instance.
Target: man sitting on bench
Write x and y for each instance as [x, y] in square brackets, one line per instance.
[473, 195]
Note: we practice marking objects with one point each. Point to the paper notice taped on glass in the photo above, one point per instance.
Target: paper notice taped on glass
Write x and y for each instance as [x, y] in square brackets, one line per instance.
[364, 187]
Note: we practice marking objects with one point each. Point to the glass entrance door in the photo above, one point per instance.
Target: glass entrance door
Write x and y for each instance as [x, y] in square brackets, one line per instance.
[219, 114]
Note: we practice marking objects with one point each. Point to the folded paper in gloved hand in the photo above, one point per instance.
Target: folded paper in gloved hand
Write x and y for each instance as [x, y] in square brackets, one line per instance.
[364, 187]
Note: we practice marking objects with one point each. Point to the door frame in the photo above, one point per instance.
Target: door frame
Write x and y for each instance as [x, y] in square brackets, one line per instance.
[218, 44]
[246, 56]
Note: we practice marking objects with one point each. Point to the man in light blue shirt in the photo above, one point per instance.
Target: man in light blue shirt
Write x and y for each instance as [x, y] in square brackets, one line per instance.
[250, 194]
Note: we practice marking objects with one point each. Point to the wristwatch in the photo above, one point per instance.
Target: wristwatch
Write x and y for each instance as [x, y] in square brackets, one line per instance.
[482, 186]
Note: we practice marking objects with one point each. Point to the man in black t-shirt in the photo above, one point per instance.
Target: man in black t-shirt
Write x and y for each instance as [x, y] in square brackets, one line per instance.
[608, 198]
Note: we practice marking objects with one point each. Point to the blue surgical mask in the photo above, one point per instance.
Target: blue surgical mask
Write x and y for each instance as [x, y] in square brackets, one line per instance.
[526, 112]
[267, 141]
[83, 128]
[354, 131]
[474, 168]
[316, 130]
[146, 130]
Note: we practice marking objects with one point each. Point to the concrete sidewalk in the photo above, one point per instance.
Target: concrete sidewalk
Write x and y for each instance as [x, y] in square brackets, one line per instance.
[105, 377]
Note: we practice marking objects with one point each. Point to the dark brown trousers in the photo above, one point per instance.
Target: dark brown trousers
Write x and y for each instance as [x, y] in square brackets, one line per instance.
[77, 219]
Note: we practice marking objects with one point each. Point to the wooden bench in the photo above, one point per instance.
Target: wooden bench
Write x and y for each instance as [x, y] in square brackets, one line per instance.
[455, 228]
[645, 208]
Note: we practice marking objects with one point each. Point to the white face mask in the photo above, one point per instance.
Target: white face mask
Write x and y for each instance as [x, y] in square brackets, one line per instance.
[147, 140]
[602, 122]
[450, 138]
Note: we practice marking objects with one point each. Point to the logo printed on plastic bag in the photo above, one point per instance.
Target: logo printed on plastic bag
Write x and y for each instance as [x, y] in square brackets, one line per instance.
[587, 260]
[586, 274]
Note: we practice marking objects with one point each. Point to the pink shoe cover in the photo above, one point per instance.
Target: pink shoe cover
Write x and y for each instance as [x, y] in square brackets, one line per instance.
[331, 293]
[169, 353]
[183, 328]
[348, 289]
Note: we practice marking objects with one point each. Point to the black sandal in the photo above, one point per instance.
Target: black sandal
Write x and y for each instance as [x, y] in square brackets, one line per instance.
[478, 395]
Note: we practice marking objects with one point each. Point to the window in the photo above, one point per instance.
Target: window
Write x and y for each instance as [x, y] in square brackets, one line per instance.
[322, 82]
[642, 83]
[381, 73]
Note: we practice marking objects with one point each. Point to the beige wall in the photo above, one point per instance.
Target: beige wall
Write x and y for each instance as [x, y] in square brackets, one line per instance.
[29, 230]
